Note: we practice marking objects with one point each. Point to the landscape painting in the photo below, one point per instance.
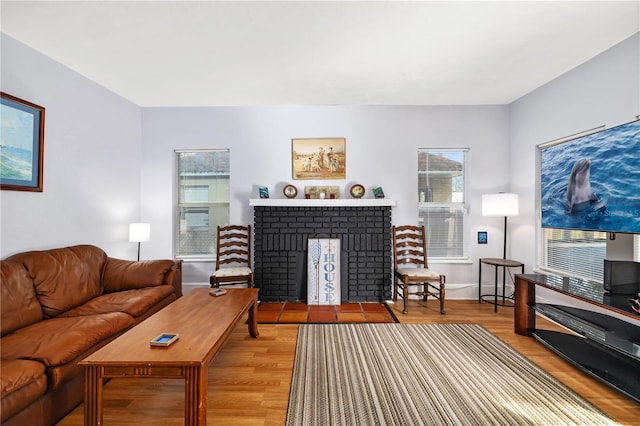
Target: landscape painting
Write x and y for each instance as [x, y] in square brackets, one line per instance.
[322, 158]
[21, 144]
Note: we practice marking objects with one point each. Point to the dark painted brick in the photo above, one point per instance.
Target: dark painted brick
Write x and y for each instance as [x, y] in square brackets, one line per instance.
[281, 240]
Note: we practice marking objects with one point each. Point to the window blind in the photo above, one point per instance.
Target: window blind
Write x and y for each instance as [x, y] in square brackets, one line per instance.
[445, 228]
[574, 252]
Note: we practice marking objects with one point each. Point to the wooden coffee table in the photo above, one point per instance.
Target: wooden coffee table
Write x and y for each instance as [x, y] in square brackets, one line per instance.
[203, 322]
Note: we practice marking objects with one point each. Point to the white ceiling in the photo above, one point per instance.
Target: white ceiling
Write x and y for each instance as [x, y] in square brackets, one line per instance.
[182, 53]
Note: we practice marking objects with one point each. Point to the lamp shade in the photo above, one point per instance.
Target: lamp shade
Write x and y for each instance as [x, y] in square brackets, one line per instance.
[139, 232]
[501, 204]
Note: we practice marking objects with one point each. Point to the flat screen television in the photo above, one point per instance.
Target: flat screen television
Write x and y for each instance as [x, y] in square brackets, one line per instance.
[592, 182]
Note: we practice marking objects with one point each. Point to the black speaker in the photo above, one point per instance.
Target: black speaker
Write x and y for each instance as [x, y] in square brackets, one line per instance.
[622, 276]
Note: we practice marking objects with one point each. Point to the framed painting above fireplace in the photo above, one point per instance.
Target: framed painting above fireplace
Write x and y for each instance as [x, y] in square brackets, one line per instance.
[320, 158]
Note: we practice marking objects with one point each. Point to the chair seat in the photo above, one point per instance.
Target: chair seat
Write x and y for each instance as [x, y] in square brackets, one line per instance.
[419, 272]
[232, 272]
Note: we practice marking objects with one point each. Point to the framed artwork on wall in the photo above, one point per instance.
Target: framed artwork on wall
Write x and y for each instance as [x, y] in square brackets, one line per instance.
[482, 237]
[21, 144]
[321, 158]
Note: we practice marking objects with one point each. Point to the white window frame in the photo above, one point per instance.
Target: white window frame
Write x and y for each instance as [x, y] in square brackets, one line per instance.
[197, 240]
[426, 206]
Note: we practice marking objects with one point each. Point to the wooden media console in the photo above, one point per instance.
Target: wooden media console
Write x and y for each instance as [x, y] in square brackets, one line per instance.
[600, 342]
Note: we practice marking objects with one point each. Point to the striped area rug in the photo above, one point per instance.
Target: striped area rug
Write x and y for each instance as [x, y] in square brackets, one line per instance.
[424, 374]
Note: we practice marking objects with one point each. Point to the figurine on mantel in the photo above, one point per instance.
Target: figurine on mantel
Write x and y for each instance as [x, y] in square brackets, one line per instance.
[378, 192]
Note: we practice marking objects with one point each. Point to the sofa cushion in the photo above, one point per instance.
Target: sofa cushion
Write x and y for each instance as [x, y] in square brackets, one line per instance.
[66, 277]
[57, 341]
[134, 302]
[19, 306]
[122, 274]
[21, 383]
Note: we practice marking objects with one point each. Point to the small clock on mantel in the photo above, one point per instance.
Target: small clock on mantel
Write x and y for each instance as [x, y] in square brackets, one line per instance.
[290, 191]
[357, 191]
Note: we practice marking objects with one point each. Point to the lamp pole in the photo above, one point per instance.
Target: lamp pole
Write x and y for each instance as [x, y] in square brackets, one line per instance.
[504, 244]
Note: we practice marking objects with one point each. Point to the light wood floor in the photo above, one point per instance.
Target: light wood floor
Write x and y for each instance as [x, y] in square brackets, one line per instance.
[249, 380]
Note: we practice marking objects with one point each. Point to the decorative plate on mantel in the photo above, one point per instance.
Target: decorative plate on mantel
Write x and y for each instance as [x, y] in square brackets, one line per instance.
[357, 191]
[290, 191]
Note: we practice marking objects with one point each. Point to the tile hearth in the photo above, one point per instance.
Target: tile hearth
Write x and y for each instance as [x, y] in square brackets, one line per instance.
[298, 313]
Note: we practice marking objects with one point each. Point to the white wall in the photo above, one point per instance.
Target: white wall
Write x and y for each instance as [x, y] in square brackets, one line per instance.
[100, 150]
[382, 145]
[603, 91]
[91, 160]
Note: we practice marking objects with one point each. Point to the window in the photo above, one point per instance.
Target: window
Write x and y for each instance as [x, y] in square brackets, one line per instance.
[196, 219]
[442, 195]
[195, 193]
[578, 253]
[574, 252]
[203, 201]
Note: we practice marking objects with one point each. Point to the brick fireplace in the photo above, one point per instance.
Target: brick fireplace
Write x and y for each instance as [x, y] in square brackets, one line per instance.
[282, 228]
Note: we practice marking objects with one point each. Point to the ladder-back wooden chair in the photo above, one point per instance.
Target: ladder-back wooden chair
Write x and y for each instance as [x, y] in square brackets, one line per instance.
[411, 268]
[233, 256]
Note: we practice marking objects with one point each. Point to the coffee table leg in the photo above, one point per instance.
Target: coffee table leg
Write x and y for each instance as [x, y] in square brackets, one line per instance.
[253, 320]
[195, 396]
[93, 396]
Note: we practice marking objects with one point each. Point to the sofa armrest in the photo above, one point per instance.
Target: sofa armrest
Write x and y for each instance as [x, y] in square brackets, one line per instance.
[174, 277]
[120, 274]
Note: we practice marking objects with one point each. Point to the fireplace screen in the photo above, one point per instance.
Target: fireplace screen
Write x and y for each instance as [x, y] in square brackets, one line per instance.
[323, 271]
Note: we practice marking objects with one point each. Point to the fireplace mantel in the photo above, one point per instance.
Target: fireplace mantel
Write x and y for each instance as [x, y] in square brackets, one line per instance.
[339, 202]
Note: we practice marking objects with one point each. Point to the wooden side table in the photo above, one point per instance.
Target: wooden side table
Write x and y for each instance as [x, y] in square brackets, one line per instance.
[497, 263]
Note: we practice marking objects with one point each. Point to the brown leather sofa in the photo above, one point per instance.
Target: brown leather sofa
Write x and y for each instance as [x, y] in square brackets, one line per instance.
[59, 306]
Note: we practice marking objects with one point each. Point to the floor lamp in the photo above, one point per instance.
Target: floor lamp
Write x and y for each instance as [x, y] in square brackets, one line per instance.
[139, 232]
[501, 204]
